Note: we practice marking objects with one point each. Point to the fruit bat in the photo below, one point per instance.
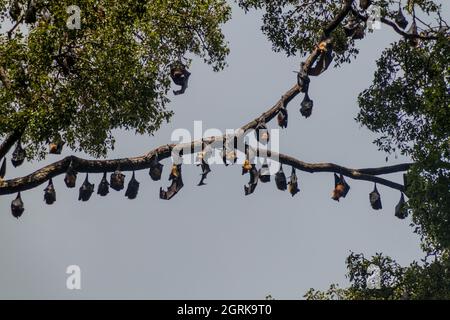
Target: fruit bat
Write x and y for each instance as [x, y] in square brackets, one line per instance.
[326, 57]
[375, 199]
[133, 188]
[293, 183]
[3, 170]
[86, 190]
[15, 10]
[71, 176]
[303, 79]
[246, 167]
[18, 155]
[307, 106]
[117, 180]
[264, 172]
[180, 76]
[103, 187]
[56, 147]
[364, 4]
[50, 193]
[359, 32]
[17, 207]
[254, 174]
[401, 211]
[280, 179]
[177, 184]
[400, 19]
[282, 118]
[261, 133]
[30, 13]
[205, 170]
[413, 32]
[156, 169]
[350, 26]
[341, 187]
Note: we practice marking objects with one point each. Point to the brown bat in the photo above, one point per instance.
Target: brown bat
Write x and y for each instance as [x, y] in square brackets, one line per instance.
[133, 188]
[177, 184]
[341, 187]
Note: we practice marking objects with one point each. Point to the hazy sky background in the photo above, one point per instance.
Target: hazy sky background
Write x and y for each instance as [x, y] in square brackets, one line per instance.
[212, 242]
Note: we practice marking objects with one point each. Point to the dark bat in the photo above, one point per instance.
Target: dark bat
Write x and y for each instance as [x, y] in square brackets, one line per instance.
[280, 179]
[306, 106]
[103, 187]
[264, 172]
[413, 32]
[251, 186]
[50, 193]
[86, 190]
[401, 211]
[133, 188]
[117, 180]
[364, 4]
[17, 207]
[400, 19]
[71, 176]
[18, 156]
[176, 186]
[180, 76]
[282, 118]
[303, 79]
[205, 170]
[156, 169]
[375, 199]
[293, 183]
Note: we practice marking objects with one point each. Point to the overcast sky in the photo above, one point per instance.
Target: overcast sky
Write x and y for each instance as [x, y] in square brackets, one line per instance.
[212, 242]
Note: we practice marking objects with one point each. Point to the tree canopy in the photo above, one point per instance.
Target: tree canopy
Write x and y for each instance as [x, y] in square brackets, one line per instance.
[78, 85]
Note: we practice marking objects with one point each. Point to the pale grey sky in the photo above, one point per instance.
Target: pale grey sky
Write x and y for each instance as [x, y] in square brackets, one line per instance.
[212, 242]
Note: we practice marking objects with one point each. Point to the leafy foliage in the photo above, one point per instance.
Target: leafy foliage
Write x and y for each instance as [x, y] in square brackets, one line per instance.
[79, 85]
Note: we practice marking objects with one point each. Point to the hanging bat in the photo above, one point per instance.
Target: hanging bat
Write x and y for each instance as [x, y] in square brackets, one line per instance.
[303, 78]
[254, 175]
[205, 170]
[117, 180]
[177, 184]
[103, 187]
[18, 155]
[400, 19]
[262, 134]
[341, 187]
[351, 26]
[15, 10]
[325, 59]
[71, 177]
[306, 106]
[364, 4]
[56, 147]
[133, 188]
[3, 170]
[50, 193]
[156, 169]
[180, 76]
[413, 32]
[30, 13]
[246, 167]
[264, 172]
[86, 190]
[375, 199]
[282, 118]
[401, 211]
[293, 183]
[280, 179]
[17, 207]
[359, 32]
